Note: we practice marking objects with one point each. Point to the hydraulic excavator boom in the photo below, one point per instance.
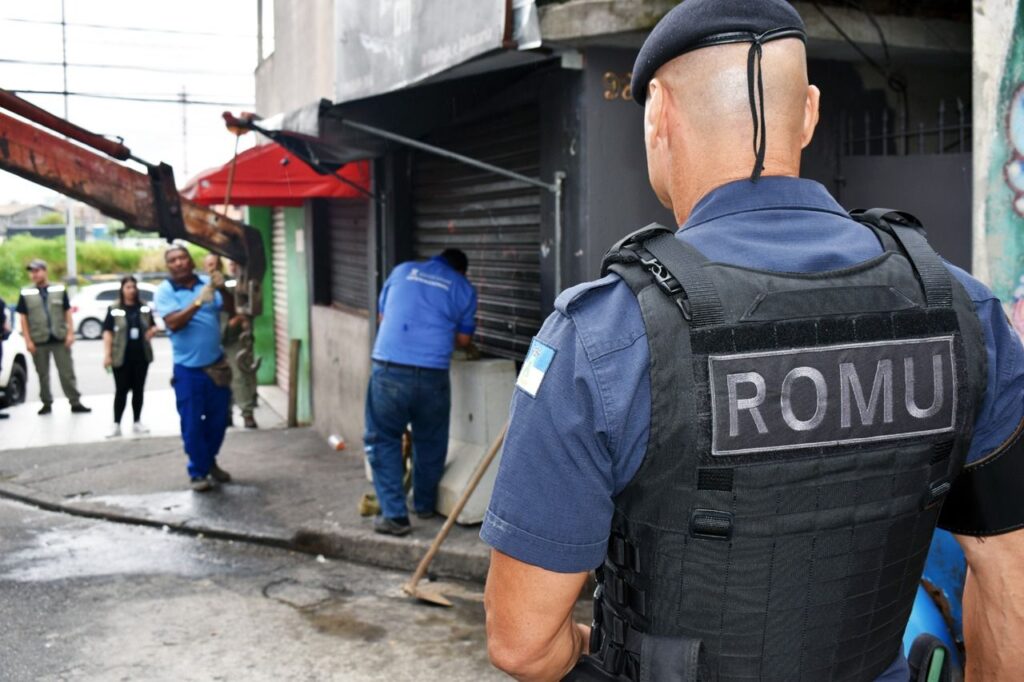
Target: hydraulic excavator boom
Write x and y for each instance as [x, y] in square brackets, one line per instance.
[145, 201]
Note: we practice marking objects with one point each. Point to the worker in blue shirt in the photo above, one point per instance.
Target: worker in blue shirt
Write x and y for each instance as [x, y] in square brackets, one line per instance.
[191, 305]
[425, 307]
[817, 582]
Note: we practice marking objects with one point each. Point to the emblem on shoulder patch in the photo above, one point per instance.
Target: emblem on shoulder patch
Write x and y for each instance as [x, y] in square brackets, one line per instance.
[538, 359]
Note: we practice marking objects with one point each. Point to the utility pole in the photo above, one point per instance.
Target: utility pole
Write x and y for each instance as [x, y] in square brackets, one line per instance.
[69, 245]
[64, 54]
[259, 32]
[183, 98]
[70, 242]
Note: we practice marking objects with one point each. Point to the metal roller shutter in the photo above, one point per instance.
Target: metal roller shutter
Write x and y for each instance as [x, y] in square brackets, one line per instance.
[279, 249]
[494, 220]
[348, 224]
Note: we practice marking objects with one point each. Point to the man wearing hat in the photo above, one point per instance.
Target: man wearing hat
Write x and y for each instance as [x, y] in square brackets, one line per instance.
[49, 332]
[751, 426]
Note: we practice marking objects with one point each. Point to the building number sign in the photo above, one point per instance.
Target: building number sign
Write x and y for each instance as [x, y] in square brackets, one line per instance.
[617, 86]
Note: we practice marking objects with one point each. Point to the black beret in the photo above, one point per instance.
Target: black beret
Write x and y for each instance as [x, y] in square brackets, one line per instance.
[694, 24]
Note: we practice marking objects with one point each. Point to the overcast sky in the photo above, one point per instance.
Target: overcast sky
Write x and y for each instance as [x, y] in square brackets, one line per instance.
[206, 46]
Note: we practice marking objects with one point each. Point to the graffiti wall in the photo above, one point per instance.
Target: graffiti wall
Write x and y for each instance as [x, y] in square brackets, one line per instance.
[999, 151]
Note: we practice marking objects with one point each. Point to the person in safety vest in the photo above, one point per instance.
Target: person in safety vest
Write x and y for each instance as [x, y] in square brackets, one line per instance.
[751, 426]
[46, 325]
[128, 330]
[237, 336]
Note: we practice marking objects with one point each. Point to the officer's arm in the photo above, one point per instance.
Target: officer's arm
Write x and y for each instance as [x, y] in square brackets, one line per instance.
[531, 634]
[993, 606]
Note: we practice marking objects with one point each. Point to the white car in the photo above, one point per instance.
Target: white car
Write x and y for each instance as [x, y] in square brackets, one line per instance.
[89, 306]
[14, 370]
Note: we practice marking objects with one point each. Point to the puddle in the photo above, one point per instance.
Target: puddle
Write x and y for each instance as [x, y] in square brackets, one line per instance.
[81, 551]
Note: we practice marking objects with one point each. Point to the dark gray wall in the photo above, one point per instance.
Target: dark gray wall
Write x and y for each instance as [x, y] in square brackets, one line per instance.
[616, 196]
[935, 188]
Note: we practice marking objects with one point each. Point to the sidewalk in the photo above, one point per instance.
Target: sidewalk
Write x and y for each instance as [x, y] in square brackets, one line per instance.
[290, 490]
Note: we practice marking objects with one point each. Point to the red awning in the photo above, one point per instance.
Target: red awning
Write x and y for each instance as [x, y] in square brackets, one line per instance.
[269, 175]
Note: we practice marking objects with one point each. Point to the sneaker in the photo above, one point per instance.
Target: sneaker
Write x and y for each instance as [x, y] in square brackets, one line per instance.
[426, 515]
[45, 409]
[203, 484]
[220, 475]
[386, 526]
[139, 429]
[250, 422]
[115, 432]
[80, 409]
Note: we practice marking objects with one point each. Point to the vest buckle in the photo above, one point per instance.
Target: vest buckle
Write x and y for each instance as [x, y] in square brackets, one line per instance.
[662, 277]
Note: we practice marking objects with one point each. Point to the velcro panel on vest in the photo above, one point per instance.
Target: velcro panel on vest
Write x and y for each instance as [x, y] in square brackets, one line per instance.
[842, 366]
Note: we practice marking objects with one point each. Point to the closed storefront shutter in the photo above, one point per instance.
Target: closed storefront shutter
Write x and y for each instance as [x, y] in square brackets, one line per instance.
[279, 247]
[348, 224]
[494, 220]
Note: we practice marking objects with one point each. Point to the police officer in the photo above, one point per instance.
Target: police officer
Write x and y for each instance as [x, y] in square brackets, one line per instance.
[48, 331]
[753, 425]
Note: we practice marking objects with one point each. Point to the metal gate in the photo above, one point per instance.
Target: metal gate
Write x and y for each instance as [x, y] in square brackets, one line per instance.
[279, 251]
[348, 222]
[494, 220]
[924, 169]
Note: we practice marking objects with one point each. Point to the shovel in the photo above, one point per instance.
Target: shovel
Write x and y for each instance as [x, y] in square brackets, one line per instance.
[432, 596]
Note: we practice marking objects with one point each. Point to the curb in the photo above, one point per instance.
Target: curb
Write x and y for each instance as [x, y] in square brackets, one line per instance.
[346, 544]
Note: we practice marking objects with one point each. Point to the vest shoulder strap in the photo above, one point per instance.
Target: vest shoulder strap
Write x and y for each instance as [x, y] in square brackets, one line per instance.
[675, 267]
[908, 233]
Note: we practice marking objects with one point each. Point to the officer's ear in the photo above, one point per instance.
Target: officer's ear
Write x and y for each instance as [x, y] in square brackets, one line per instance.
[655, 115]
[811, 115]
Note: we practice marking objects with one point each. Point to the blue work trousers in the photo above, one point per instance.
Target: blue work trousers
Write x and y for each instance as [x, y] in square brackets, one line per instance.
[398, 396]
[203, 408]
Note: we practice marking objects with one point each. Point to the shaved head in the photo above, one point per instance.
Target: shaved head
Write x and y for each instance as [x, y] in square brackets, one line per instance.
[699, 128]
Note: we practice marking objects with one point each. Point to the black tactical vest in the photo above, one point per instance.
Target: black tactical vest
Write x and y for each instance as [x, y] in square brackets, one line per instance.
[805, 429]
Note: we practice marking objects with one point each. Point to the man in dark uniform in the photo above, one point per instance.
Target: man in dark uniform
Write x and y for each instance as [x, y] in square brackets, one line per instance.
[752, 425]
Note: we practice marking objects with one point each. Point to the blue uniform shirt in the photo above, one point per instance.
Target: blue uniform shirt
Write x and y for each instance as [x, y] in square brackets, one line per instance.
[198, 344]
[577, 442]
[424, 304]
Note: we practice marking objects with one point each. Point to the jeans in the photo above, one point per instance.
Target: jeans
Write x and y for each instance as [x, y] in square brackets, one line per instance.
[203, 408]
[398, 396]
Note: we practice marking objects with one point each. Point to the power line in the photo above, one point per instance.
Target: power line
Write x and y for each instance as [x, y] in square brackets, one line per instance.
[129, 98]
[127, 67]
[112, 27]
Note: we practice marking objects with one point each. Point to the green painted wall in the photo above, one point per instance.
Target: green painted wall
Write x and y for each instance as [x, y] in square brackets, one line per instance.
[298, 304]
[1004, 196]
[263, 326]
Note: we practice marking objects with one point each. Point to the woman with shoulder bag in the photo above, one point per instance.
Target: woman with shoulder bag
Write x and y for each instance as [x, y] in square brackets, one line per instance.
[127, 331]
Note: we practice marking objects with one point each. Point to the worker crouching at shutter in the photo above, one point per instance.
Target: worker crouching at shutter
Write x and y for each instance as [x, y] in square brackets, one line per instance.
[425, 308]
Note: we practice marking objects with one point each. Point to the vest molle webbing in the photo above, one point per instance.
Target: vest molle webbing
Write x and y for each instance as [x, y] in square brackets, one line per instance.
[805, 429]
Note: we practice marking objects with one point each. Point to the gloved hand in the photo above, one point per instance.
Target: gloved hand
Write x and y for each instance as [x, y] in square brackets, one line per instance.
[206, 293]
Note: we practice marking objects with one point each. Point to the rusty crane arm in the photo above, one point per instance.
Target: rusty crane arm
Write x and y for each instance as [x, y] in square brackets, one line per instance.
[145, 201]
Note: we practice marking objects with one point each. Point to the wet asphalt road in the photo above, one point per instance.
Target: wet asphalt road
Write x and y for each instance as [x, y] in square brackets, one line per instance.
[91, 600]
